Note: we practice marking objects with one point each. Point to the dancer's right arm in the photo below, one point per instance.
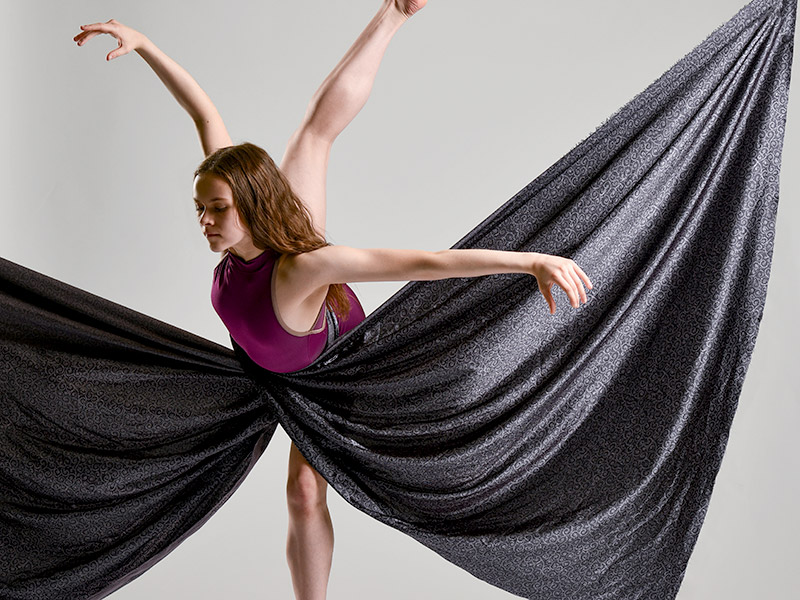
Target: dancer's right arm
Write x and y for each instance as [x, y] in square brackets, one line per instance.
[210, 127]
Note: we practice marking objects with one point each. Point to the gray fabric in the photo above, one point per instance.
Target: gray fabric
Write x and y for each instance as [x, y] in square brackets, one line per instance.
[557, 457]
[333, 327]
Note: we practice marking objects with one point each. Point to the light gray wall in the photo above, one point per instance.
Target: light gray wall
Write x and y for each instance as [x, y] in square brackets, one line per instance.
[474, 99]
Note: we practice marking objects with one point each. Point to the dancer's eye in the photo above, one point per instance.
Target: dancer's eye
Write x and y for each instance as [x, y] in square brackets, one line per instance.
[199, 209]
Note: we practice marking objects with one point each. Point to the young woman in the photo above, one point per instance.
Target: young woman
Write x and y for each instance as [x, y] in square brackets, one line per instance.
[280, 286]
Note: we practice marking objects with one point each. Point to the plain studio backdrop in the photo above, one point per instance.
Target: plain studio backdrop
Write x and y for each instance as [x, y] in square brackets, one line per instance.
[473, 100]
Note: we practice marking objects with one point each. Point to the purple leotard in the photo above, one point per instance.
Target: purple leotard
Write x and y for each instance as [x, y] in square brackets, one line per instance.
[242, 296]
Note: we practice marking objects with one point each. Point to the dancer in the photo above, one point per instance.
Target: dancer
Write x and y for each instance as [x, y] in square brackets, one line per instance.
[269, 224]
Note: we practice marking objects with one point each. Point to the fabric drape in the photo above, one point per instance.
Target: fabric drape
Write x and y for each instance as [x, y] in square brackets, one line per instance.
[567, 456]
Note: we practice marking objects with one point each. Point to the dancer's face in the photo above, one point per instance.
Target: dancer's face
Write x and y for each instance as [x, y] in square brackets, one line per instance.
[217, 214]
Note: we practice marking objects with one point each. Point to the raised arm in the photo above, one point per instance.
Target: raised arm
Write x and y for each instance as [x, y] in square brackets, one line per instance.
[210, 128]
[309, 271]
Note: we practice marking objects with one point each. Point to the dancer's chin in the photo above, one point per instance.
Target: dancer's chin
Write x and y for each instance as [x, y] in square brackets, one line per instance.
[215, 243]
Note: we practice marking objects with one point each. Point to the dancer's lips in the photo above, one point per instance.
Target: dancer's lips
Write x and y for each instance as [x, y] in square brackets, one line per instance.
[208, 235]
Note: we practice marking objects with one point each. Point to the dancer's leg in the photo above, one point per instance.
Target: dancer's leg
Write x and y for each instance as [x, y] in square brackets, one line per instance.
[309, 544]
[309, 547]
[345, 90]
[337, 101]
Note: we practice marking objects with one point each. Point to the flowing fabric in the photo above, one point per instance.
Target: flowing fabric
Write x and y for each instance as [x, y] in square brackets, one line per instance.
[556, 457]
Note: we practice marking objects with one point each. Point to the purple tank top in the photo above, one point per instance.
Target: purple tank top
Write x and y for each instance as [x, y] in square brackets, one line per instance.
[242, 296]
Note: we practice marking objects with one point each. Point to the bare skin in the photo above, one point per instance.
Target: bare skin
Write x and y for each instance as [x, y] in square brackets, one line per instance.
[302, 280]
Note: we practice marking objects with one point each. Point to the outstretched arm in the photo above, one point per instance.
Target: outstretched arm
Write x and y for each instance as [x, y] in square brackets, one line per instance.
[183, 87]
[308, 271]
[337, 101]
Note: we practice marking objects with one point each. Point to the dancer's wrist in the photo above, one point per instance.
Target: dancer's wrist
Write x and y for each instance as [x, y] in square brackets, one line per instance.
[144, 47]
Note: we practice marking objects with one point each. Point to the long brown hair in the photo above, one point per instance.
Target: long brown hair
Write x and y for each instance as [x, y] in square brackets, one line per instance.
[276, 217]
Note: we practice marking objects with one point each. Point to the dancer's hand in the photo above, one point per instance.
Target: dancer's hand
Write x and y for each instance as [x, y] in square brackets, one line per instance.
[549, 269]
[127, 38]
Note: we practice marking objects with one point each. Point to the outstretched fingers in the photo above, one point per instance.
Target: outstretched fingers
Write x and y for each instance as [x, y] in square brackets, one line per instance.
[93, 29]
[568, 285]
[578, 284]
[584, 277]
[111, 27]
[570, 277]
[85, 36]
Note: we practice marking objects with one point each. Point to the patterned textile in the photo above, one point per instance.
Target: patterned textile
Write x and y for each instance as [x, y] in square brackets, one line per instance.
[557, 457]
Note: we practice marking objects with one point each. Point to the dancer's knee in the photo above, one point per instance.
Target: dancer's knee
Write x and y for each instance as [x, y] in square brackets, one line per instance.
[305, 491]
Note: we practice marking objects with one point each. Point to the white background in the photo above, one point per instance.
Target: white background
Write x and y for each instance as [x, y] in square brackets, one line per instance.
[473, 100]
